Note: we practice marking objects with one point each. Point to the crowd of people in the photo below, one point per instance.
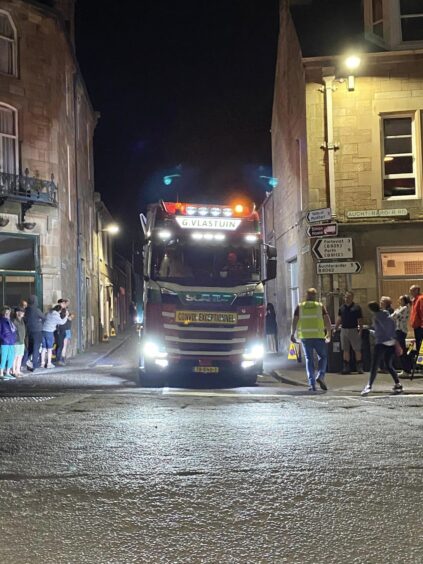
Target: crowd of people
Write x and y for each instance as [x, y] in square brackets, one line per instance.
[312, 325]
[30, 338]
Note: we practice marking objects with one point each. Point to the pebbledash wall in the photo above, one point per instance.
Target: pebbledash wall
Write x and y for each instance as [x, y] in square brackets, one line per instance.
[48, 123]
[377, 186]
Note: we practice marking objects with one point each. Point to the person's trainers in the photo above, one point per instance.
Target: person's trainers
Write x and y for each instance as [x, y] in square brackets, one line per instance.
[404, 374]
[397, 389]
[29, 364]
[312, 389]
[60, 363]
[321, 384]
[359, 368]
[50, 366]
[366, 390]
[9, 377]
[345, 371]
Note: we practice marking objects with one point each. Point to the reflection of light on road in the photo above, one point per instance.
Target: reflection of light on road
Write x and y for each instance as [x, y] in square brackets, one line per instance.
[241, 394]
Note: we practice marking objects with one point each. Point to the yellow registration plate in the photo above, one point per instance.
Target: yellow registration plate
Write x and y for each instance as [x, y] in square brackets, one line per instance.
[217, 317]
[206, 369]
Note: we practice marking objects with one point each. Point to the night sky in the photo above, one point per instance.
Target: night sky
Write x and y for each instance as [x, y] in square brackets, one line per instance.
[183, 87]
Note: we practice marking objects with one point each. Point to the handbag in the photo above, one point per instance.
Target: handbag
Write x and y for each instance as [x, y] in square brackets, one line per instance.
[398, 349]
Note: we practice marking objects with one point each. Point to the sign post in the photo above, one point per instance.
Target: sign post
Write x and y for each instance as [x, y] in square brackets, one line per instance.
[321, 214]
[323, 230]
[333, 248]
[346, 267]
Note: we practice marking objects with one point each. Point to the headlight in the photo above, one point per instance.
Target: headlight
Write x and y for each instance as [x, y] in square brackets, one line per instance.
[254, 352]
[152, 349]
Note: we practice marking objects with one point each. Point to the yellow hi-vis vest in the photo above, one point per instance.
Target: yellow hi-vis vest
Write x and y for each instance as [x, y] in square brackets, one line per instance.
[310, 324]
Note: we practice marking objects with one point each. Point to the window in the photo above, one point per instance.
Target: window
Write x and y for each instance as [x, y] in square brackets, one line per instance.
[399, 151]
[7, 44]
[293, 284]
[377, 17]
[8, 140]
[411, 14]
[399, 268]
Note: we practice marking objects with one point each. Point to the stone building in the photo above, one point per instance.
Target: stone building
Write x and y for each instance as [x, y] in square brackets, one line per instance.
[349, 140]
[46, 161]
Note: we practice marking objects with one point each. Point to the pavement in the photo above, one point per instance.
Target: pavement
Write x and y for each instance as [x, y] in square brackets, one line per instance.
[292, 373]
[94, 356]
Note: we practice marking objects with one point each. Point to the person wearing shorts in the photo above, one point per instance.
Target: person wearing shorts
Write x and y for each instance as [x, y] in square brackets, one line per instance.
[350, 319]
[20, 340]
[53, 319]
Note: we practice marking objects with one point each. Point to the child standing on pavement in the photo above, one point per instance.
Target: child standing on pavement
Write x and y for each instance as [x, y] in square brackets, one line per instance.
[7, 340]
[53, 319]
[19, 323]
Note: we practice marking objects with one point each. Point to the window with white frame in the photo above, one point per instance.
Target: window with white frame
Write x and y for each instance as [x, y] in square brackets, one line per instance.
[293, 284]
[377, 17]
[399, 156]
[411, 15]
[7, 44]
[8, 140]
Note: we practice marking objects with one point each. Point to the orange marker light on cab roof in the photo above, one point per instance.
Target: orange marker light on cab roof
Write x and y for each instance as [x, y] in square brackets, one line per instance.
[239, 208]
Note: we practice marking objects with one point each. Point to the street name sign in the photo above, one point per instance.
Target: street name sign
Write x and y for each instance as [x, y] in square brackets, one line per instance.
[333, 248]
[358, 214]
[338, 267]
[323, 230]
[322, 214]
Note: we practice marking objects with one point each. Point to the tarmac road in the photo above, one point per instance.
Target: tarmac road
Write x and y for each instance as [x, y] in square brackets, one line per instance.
[99, 471]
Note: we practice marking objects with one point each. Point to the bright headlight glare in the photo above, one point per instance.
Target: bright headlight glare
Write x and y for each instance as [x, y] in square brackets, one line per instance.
[163, 363]
[164, 234]
[191, 210]
[152, 350]
[203, 211]
[197, 236]
[208, 236]
[227, 212]
[251, 238]
[255, 352]
[215, 211]
[219, 237]
[247, 364]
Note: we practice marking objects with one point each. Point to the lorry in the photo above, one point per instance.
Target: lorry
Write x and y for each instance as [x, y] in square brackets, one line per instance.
[205, 267]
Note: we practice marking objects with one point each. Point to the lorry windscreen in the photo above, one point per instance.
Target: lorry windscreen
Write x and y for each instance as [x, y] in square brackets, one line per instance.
[194, 264]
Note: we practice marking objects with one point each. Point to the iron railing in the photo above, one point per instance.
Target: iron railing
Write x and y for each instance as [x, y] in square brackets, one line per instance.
[26, 188]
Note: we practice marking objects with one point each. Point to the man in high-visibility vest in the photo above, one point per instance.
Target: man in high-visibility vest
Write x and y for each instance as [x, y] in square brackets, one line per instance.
[312, 323]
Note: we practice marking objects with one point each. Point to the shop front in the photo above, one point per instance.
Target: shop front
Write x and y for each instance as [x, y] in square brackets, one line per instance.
[19, 268]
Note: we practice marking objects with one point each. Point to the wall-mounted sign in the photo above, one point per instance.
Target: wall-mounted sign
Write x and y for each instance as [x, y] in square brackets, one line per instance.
[229, 224]
[338, 267]
[323, 230]
[357, 214]
[321, 214]
[333, 248]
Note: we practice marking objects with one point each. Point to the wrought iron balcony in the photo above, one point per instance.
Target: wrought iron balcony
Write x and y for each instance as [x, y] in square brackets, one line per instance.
[29, 189]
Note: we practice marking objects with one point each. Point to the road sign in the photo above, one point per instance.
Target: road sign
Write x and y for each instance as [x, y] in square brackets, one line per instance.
[338, 267]
[333, 248]
[323, 230]
[358, 214]
[322, 214]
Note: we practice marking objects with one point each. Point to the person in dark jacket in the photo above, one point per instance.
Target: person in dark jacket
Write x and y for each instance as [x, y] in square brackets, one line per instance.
[7, 340]
[34, 318]
[385, 341]
[271, 328]
[60, 334]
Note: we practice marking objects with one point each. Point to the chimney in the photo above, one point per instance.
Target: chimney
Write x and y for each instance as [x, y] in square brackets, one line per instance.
[67, 10]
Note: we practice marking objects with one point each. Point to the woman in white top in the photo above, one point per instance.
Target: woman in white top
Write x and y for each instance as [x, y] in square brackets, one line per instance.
[401, 317]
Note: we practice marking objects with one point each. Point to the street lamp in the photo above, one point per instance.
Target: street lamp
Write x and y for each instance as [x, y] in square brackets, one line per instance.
[113, 229]
[271, 180]
[167, 180]
[352, 62]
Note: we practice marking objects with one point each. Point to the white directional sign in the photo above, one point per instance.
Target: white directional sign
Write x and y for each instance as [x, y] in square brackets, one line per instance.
[322, 214]
[338, 267]
[323, 230]
[333, 248]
